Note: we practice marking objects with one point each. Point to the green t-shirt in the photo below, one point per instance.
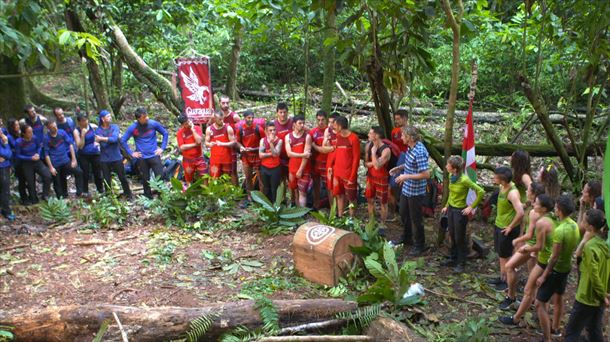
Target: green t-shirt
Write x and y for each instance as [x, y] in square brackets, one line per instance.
[505, 213]
[522, 193]
[594, 282]
[545, 253]
[568, 235]
[458, 192]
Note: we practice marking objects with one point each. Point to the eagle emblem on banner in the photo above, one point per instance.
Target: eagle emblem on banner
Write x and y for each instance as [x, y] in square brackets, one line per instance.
[199, 93]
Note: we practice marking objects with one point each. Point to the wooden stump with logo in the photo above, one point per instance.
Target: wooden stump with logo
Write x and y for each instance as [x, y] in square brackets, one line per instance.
[322, 254]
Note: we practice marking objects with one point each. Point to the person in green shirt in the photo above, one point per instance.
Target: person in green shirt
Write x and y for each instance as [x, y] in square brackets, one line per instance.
[509, 213]
[522, 169]
[457, 211]
[543, 207]
[592, 295]
[544, 226]
[554, 279]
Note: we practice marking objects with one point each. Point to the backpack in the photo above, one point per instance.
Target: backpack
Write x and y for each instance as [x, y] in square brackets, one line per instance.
[395, 153]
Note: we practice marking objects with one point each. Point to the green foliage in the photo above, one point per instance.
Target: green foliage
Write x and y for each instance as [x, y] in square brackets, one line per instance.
[362, 317]
[270, 318]
[391, 282]
[55, 210]
[232, 265]
[6, 334]
[345, 222]
[200, 201]
[372, 241]
[78, 40]
[163, 244]
[278, 217]
[107, 210]
[268, 285]
[199, 326]
[102, 331]
[475, 330]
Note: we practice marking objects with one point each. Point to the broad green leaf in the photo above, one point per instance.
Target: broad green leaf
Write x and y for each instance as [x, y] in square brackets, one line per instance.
[64, 36]
[293, 213]
[261, 199]
[376, 269]
[390, 261]
[176, 184]
[281, 192]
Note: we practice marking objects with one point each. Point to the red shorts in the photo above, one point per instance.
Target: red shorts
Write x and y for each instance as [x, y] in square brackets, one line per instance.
[342, 186]
[319, 169]
[217, 170]
[377, 188]
[251, 159]
[190, 166]
[301, 183]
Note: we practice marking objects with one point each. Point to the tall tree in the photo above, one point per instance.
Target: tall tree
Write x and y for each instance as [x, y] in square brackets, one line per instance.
[454, 21]
[330, 38]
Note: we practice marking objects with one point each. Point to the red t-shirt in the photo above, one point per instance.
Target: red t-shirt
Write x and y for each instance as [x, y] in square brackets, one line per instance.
[317, 136]
[270, 162]
[250, 136]
[230, 119]
[283, 130]
[346, 158]
[185, 136]
[298, 146]
[397, 139]
[382, 171]
[220, 154]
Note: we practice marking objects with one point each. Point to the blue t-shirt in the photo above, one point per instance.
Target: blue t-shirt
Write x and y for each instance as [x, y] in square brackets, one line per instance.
[57, 148]
[25, 149]
[145, 137]
[90, 147]
[6, 153]
[110, 150]
[37, 128]
[68, 127]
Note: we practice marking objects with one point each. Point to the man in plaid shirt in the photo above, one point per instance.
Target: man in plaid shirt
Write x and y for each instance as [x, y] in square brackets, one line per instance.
[413, 175]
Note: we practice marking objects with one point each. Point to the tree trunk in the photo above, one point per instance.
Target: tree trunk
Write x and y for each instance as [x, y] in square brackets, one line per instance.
[374, 71]
[231, 87]
[385, 329]
[454, 23]
[543, 115]
[116, 84]
[328, 84]
[38, 98]
[12, 90]
[80, 323]
[96, 82]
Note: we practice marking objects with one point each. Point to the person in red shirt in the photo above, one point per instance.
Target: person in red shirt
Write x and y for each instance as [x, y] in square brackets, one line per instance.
[189, 139]
[343, 166]
[320, 156]
[283, 126]
[376, 160]
[401, 119]
[230, 118]
[330, 139]
[298, 149]
[219, 138]
[269, 151]
[248, 140]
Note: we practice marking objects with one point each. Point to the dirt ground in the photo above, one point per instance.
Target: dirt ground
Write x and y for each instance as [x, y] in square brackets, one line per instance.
[147, 264]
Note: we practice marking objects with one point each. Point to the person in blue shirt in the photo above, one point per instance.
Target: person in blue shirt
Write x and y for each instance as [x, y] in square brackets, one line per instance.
[13, 132]
[144, 133]
[36, 121]
[28, 152]
[5, 176]
[88, 155]
[64, 123]
[111, 159]
[61, 160]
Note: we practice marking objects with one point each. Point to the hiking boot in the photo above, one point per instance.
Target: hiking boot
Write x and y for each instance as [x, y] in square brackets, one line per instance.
[448, 262]
[507, 303]
[508, 320]
[459, 268]
[501, 287]
[495, 281]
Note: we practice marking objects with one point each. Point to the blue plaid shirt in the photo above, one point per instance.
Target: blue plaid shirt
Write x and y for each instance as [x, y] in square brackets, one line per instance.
[416, 161]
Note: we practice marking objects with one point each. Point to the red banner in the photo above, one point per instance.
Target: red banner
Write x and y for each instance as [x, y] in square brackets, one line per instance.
[196, 88]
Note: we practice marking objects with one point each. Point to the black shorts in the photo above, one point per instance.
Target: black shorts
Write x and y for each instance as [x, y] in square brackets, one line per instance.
[543, 266]
[504, 244]
[555, 284]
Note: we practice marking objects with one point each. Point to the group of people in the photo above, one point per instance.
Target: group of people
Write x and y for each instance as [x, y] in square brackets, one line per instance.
[533, 225]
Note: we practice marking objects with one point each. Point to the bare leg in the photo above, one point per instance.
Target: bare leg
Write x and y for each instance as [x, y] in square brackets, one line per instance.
[543, 317]
[302, 197]
[503, 262]
[340, 204]
[384, 212]
[370, 203]
[515, 261]
[528, 292]
[557, 311]
[248, 174]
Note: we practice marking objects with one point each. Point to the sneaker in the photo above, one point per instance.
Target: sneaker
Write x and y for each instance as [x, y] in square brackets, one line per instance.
[448, 262]
[554, 333]
[507, 303]
[495, 281]
[459, 268]
[508, 320]
[501, 287]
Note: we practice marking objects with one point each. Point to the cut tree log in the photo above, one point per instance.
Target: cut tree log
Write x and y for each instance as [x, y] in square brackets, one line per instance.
[385, 329]
[80, 323]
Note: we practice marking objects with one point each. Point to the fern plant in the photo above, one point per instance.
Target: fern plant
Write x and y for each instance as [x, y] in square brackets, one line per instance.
[277, 216]
[392, 282]
[55, 210]
[362, 317]
[269, 316]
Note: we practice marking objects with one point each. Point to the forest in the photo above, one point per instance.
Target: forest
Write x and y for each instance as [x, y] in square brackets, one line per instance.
[217, 258]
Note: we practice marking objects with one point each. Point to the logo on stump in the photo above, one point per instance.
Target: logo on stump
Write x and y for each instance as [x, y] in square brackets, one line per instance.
[317, 234]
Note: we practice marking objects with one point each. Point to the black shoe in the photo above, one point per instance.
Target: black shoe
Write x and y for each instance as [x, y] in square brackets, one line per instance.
[508, 320]
[495, 281]
[448, 262]
[501, 287]
[25, 202]
[459, 268]
[507, 303]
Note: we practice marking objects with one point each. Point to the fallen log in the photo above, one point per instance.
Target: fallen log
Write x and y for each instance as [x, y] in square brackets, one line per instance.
[80, 323]
[385, 329]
